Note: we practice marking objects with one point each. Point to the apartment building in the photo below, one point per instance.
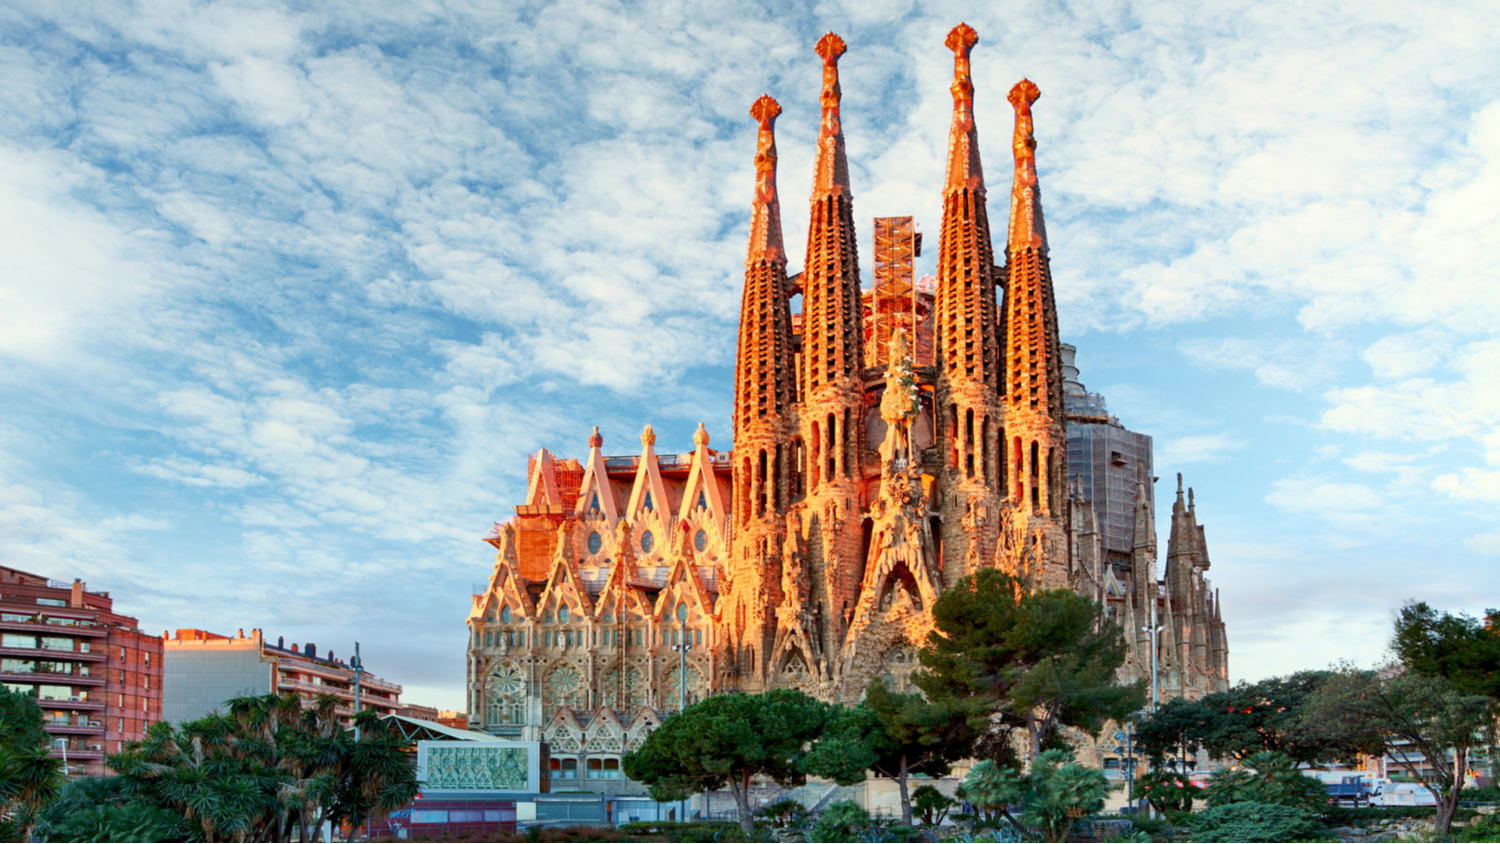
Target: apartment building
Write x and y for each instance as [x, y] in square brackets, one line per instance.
[96, 675]
[203, 669]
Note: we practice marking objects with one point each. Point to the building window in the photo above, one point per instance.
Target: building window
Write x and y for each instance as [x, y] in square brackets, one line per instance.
[562, 615]
[148, 657]
[121, 727]
[14, 616]
[563, 769]
[700, 540]
[52, 602]
[604, 769]
[595, 541]
[505, 615]
[17, 640]
[647, 541]
[487, 639]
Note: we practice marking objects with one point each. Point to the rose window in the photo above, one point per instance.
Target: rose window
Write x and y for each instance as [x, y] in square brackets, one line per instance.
[506, 688]
[564, 687]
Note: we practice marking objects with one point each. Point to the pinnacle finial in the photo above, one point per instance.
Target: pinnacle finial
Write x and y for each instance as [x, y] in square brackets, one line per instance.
[1027, 229]
[765, 214]
[961, 40]
[830, 48]
[596, 439]
[648, 437]
[831, 170]
[1179, 483]
[964, 169]
[700, 436]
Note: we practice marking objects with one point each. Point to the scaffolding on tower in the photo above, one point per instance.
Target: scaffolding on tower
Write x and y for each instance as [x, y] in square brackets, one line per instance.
[898, 302]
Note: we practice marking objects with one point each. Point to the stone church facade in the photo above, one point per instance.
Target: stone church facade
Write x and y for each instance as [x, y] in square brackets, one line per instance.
[870, 471]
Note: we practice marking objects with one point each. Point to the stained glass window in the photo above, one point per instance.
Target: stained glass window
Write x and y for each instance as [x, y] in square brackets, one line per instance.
[507, 695]
[564, 687]
[700, 540]
[647, 541]
[505, 615]
[595, 542]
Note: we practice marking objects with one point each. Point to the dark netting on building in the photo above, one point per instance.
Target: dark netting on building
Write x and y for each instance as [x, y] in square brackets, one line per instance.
[1102, 457]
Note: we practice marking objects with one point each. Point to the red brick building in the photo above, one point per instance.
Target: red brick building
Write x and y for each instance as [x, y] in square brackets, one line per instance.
[96, 675]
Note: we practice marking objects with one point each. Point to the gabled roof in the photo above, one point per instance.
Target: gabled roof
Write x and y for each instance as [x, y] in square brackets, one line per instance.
[416, 729]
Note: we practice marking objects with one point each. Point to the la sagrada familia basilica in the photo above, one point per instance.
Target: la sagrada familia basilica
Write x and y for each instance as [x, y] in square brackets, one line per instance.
[887, 443]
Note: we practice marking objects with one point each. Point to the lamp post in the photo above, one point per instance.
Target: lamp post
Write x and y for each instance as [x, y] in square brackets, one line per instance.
[359, 669]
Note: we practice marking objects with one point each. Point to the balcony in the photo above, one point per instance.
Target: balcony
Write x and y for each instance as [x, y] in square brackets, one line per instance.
[47, 653]
[87, 728]
[46, 677]
[71, 703]
[51, 624]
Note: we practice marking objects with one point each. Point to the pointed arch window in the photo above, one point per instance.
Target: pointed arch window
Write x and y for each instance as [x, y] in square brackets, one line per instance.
[594, 503]
[702, 501]
[647, 503]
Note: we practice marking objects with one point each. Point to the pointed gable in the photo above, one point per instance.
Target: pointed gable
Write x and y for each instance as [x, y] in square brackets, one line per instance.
[649, 495]
[564, 583]
[506, 586]
[541, 487]
[684, 584]
[702, 499]
[595, 495]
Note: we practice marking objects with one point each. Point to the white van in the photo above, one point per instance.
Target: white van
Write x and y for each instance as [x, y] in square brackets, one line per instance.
[1402, 794]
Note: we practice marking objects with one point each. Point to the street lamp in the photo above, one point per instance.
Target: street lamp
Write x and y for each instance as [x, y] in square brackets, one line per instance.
[1155, 630]
[682, 649]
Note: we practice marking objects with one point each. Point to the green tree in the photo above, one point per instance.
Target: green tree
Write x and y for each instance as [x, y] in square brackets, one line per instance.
[266, 767]
[30, 778]
[897, 735]
[1060, 792]
[1035, 659]
[931, 804]
[732, 739]
[1266, 778]
[1267, 716]
[1176, 727]
[992, 789]
[1456, 647]
[1427, 724]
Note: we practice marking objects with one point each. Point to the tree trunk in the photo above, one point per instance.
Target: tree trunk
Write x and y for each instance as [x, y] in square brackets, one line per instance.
[905, 798]
[742, 799]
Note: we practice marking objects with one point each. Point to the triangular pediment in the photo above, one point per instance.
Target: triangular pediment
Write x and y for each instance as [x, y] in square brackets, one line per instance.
[506, 587]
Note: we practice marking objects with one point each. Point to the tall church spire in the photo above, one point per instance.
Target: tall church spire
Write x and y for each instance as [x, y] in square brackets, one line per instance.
[1034, 384]
[832, 447]
[764, 389]
[967, 345]
[764, 381]
[832, 345]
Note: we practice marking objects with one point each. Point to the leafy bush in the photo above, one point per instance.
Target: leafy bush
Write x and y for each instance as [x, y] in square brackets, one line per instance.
[1266, 778]
[1347, 816]
[842, 820]
[991, 788]
[783, 813]
[693, 830]
[1481, 828]
[1154, 827]
[1255, 822]
[1167, 790]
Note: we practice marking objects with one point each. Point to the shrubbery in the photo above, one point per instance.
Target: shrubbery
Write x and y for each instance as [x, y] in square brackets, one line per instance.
[1254, 822]
[842, 820]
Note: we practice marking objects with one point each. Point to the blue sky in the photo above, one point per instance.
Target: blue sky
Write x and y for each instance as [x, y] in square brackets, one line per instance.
[288, 291]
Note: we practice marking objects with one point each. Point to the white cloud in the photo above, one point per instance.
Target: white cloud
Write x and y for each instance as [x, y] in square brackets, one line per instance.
[1202, 448]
